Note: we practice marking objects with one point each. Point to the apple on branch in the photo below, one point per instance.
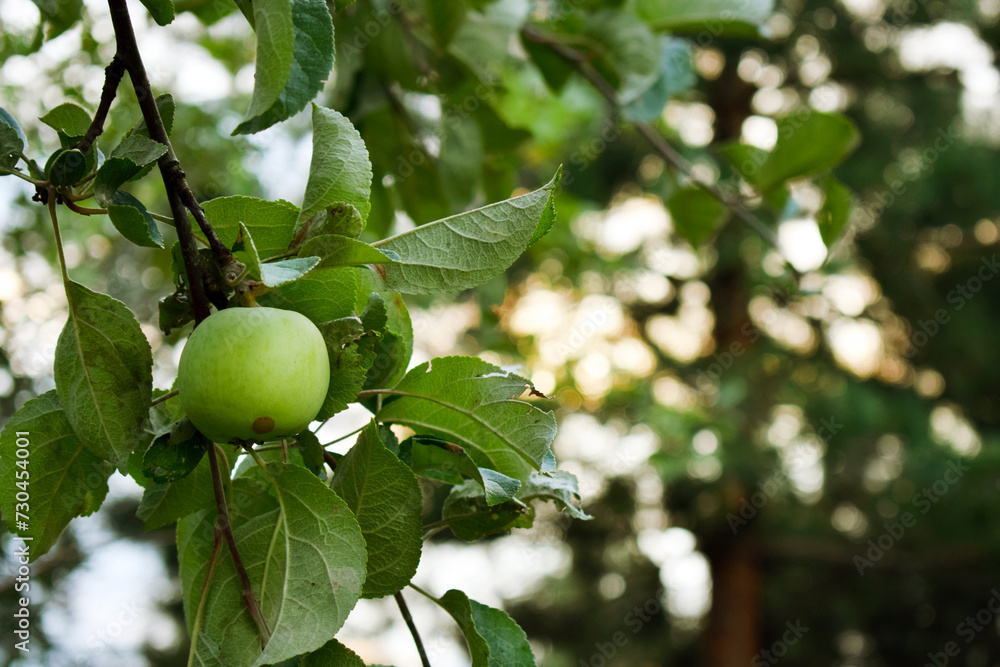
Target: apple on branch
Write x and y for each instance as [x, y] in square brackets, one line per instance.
[253, 374]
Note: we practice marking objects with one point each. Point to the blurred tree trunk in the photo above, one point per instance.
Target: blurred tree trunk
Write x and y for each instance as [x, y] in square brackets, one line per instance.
[732, 638]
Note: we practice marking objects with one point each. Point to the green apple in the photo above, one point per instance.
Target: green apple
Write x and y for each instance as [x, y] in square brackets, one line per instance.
[253, 374]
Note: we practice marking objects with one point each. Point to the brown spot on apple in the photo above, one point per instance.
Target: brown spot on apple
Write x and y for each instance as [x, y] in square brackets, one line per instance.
[263, 425]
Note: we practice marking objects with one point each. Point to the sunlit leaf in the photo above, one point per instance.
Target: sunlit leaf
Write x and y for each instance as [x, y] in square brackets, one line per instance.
[474, 403]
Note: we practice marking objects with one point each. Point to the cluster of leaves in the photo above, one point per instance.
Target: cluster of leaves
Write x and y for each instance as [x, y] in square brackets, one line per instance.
[312, 543]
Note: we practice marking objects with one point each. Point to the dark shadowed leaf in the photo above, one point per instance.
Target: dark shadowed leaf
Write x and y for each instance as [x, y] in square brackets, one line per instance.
[384, 495]
[103, 374]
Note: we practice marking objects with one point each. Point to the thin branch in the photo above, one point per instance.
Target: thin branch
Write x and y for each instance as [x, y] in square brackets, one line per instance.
[583, 66]
[405, 611]
[24, 177]
[83, 210]
[330, 460]
[128, 54]
[51, 202]
[170, 168]
[113, 74]
[225, 526]
[166, 397]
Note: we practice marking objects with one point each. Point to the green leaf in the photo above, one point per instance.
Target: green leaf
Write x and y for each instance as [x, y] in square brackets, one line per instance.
[321, 295]
[494, 639]
[351, 352]
[312, 451]
[130, 218]
[720, 17]
[174, 454]
[558, 486]
[836, 210]
[61, 15]
[63, 479]
[175, 311]
[460, 162]
[103, 374]
[12, 140]
[630, 48]
[340, 171]
[270, 222]
[482, 42]
[275, 274]
[342, 219]
[304, 553]
[272, 274]
[430, 459]
[384, 495]
[808, 142]
[675, 75]
[126, 160]
[466, 400]
[334, 250]
[275, 53]
[294, 57]
[385, 313]
[471, 518]
[554, 69]
[162, 11]
[445, 17]
[696, 214]
[66, 167]
[467, 249]
[332, 654]
[166, 106]
[68, 118]
[166, 503]
[745, 159]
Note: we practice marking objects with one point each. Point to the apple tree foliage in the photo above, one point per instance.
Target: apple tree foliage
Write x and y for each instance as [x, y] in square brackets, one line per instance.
[316, 531]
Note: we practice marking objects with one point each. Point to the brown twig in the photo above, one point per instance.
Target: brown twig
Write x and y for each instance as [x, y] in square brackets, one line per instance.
[582, 65]
[405, 611]
[173, 176]
[225, 526]
[166, 397]
[113, 74]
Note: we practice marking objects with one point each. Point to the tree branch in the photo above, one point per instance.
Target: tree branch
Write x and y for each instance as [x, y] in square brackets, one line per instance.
[405, 611]
[170, 169]
[112, 77]
[662, 146]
